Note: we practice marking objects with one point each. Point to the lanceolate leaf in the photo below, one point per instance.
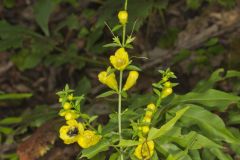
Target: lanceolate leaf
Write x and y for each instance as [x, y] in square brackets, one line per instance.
[210, 124]
[103, 145]
[216, 76]
[156, 133]
[43, 9]
[15, 96]
[211, 99]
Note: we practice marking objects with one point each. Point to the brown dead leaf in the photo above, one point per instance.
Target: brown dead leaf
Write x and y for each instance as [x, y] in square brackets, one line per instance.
[38, 143]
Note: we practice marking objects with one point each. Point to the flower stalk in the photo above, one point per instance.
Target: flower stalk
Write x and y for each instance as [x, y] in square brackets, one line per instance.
[120, 111]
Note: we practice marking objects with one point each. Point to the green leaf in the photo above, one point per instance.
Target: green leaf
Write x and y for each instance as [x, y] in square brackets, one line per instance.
[130, 39]
[42, 10]
[117, 27]
[93, 118]
[194, 4]
[234, 118]
[84, 86]
[103, 145]
[8, 96]
[210, 124]
[215, 77]
[156, 133]
[194, 141]
[6, 130]
[10, 120]
[211, 99]
[220, 155]
[133, 68]
[212, 42]
[106, 94]
[9, 3]
[112, 45]
[128, 143]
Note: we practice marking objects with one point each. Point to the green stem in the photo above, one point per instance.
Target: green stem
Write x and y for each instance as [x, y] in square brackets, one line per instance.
[125, 5]
[124, 35]
[124, 26]
[120, 111]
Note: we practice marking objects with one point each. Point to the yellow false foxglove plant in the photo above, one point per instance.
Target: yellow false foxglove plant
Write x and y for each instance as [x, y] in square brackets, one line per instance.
[78, 126]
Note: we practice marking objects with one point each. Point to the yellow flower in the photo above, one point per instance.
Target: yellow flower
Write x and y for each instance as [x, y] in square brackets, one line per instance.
[145, 150]
[69, 133]
[166, 92]
[152, 107]
[120, 60]
[67, 105]
[109, 80]
[88, 139]
[131, 80]
[123, 17]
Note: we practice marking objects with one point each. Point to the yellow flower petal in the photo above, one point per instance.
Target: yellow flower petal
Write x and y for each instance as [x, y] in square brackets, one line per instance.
[131, 80]
[88, 139]
[109, 80]
[145, 150]
[123, 17]
[120, 60]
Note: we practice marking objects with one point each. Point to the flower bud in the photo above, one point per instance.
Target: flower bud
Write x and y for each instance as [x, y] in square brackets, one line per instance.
[71, 115]
[123, 17]
[145, 129]
[131, 80]
[70, 97]
[147, 119]
[166, 92]
[151, 107]
[67, 106]
[149, 114]
[167, 84]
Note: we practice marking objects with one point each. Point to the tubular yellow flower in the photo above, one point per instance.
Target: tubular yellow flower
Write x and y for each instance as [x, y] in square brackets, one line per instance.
[109, 80]
[120, 60]
[166, 92]
[88, 139]
[123, 17]
[131, 80]
[152, 107]
[145, 150]
[69, 133]
[67, 106]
